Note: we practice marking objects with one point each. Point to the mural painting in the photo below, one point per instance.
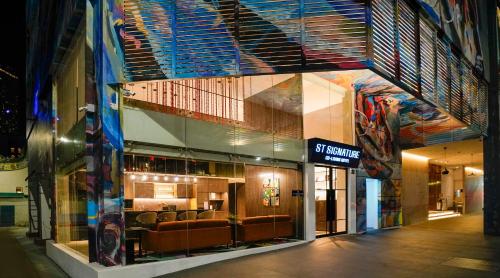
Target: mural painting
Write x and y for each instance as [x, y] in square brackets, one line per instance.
[387, 120]
[240, 37]
[104, 133]
[460, 21]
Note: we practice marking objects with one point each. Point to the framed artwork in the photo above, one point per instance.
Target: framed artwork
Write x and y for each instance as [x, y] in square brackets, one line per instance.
[271, 192]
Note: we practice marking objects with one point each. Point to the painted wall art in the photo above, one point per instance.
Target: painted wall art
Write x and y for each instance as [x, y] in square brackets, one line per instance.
[460, 21]
[198, 38]
[104, 136]
[271, 191]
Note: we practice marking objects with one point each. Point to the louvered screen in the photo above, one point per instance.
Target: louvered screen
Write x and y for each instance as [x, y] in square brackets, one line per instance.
[269, 36]
[442, 75]
[335, 33]
[455, 87]
[427, 62]
[204, 38]
[483, 106]
[407, 24]
[148, 40]
[469, 85]
[384, 36]
[475, 108]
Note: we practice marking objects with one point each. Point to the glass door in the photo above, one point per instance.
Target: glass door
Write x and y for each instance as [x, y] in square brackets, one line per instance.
[330, 195]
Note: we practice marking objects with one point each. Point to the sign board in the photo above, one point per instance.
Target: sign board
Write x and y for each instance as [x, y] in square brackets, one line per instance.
[333, 153]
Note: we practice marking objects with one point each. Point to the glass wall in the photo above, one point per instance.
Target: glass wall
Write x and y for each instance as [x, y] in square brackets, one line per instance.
[212, 165]
[69, 127]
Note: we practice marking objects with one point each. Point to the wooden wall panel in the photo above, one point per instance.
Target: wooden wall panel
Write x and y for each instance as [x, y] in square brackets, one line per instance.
[289, 179]
[128, 187]
[258, 117]
[415, 192]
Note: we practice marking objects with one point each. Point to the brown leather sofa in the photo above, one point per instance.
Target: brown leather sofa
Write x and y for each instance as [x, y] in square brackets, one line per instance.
[187, 234]
[264, 228]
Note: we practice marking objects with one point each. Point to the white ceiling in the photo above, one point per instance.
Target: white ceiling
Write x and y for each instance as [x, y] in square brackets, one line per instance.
[457, 153]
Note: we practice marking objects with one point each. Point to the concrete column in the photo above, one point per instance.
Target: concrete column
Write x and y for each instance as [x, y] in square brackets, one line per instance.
[351, 199]
[309, 203]
[492, 141]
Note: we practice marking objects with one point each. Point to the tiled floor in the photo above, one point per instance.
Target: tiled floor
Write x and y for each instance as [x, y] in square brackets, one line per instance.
[453, 247]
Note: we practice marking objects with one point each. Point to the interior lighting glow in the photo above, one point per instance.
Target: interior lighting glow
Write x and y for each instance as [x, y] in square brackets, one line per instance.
[156, 178]
[132, 177]
[176, 179]
[415, 156]
[64, 140]
[165, 178]
[144, 177]
[474, 170]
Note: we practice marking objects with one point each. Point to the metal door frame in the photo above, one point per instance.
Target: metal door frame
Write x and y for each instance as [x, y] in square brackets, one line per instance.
[330, 230]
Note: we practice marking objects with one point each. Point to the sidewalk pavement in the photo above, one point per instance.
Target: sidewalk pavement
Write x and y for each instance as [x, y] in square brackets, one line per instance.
[20, 257]
[454, 247]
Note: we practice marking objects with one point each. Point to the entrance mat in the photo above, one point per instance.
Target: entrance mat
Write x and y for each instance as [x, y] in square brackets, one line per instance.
[474, 264]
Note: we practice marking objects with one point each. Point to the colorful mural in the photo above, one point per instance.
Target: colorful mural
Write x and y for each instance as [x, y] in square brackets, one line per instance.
[387, 120]
[196, 38]
[460, 21]
[104, 137]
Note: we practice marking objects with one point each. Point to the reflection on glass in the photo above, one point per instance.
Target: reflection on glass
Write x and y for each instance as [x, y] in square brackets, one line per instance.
[230, 172]
[322, 185]
[71, 190]
[330, 195]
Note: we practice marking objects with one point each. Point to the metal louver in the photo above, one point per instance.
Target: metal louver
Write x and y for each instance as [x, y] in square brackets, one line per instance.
[384, 37]
[455, 87]
[408, 44]
[269, 32]
[427, 62]
[482, 118]
[204, 38]
[167, 39]
[148, 44]
[335, 33]
[469, 86]
[442, 75]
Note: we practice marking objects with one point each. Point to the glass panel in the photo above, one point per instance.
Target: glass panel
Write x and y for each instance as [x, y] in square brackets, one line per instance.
[340, 181]
[71, 192]
[322, 184]
[241, 147]
[341, 226]
[341, 204]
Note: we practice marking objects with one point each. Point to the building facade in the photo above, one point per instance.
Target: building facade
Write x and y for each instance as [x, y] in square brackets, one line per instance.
[176, 129]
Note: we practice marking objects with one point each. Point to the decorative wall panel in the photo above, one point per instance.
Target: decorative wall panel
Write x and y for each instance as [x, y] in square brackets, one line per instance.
[427, 62]
[455, 87]
[188, 38]
[335, 33]
[408, 44]
[460, 22]
[104, 137]
[442, 75]
[384, 37]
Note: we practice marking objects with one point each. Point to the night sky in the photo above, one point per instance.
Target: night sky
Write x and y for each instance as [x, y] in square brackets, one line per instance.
[12, 58]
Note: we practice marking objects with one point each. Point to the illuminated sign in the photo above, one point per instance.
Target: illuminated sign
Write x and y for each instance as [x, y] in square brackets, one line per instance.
[333, 153]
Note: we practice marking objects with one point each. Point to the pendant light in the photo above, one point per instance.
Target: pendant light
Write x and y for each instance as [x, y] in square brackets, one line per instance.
[445, 172]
